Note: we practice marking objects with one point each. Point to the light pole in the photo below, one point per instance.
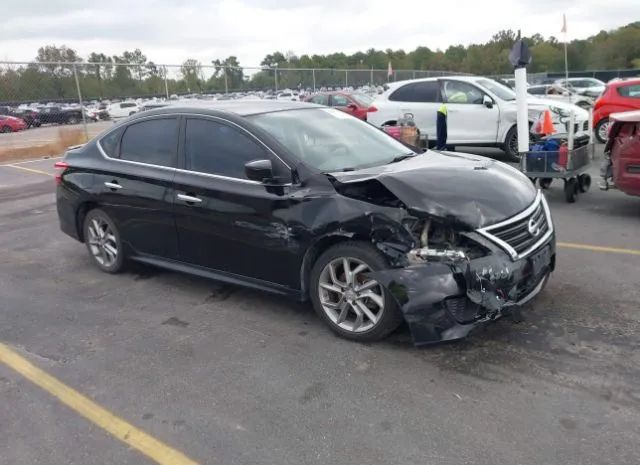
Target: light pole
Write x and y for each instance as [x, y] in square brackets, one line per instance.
[275, 74]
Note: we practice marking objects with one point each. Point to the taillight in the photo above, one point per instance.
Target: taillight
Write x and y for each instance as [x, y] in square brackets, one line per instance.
[371, 109]
[60, 167]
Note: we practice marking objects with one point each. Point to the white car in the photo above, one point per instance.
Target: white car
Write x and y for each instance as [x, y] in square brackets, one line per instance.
[480, 110]
[591, 87]
[560, 94]
[288, 95]
[122, 109]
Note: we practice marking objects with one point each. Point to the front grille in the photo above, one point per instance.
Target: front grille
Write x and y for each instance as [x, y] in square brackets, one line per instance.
[520, 235]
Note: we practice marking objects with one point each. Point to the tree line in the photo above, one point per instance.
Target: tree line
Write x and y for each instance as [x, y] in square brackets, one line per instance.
[46, 79]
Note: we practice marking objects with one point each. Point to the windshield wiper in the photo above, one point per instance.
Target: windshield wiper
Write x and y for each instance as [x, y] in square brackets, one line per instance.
[404, 156]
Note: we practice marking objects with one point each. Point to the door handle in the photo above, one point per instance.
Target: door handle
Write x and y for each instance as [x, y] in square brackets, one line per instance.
[188, 198]
[113, 185]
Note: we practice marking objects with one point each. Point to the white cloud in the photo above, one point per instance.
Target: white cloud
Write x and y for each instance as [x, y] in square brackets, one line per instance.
[169, 31]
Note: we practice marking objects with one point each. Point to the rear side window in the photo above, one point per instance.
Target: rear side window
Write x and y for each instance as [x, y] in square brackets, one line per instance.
[417, 92]
[153, 141]
[632, 91]
[215, 148]
[320, 99]
[109, 143]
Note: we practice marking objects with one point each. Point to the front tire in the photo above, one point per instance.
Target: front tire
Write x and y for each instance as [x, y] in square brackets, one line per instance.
[510, 146]
[353, 305]
[102, 239]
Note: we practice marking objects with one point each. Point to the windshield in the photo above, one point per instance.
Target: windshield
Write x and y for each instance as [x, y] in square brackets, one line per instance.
[330, 140]
[362, 99]
[501, 91]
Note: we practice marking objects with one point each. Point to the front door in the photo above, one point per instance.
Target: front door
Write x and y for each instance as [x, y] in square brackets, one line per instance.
[225, 221]
[469, 120]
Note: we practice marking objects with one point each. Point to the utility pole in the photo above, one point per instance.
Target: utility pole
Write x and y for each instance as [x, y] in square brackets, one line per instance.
[84, 118]
[226, 84]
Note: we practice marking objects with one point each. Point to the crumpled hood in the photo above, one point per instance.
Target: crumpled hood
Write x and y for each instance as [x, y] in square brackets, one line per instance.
[468, 190]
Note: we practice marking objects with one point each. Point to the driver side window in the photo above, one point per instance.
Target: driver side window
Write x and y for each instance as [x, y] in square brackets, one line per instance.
[461, 92]
[215, 148]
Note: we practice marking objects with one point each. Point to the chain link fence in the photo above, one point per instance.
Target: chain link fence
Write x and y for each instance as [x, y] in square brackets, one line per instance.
[58, 97]
[35, 82]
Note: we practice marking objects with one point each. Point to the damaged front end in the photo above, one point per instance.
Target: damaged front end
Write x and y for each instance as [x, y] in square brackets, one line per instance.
[470, 238]
[454, 279]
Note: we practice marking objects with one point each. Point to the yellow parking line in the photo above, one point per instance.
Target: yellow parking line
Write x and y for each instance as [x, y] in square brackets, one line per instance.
[597, 248]
[31, 170]
[125, 432]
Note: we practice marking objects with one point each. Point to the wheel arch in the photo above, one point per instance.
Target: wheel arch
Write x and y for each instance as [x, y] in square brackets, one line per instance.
[318, 248]
[81, 214]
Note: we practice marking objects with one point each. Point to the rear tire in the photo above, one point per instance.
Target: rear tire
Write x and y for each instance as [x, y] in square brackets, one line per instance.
[341, 309]
[584, 183]
[102, 239]
[602, 130]
[5, 129]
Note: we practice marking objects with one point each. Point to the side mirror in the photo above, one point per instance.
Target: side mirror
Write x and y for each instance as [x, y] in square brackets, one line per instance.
[259, 170]
[487, 101]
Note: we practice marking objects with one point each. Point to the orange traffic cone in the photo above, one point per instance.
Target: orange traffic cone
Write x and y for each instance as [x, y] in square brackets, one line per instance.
[547, 124]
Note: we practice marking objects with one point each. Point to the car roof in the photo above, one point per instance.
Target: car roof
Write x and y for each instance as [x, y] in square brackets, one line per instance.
[624, 82]
[239, 107]
[395, 84]
[627, 116]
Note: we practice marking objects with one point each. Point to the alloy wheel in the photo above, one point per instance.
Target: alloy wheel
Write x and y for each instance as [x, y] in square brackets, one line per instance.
[102, 242]
[351, 300]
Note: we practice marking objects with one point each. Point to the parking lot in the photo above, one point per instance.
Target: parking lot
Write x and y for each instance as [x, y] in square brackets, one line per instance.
[219, 374]
[45, 134]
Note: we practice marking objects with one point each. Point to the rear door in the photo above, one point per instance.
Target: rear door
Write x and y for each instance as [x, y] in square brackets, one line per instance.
[469, 120]
[225, 221]
[136, 186]
[422, 100]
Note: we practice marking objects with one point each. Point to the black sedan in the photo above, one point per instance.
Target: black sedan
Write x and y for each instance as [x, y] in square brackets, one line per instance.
[312, 203]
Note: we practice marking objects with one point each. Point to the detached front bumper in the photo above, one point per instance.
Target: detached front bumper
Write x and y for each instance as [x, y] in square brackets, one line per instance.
[445, 301]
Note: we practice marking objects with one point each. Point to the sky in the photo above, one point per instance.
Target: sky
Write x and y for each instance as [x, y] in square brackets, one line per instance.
[170, 31]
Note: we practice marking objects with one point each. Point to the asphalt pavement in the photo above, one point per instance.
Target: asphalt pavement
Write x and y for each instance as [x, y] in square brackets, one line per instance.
[234, 376]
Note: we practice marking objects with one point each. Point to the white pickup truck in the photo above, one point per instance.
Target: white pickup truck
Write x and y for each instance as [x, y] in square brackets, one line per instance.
[481, 111]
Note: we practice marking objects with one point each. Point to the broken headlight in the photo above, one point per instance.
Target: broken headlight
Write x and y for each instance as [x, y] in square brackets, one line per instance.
[441, 243]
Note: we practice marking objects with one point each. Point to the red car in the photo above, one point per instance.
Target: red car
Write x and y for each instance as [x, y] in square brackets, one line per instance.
[622, 164]
[618, 96]
[357, 105]
[11, 124]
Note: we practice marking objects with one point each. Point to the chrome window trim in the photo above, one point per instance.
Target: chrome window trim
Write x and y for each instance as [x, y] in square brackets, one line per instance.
[175, 169]
[486, 231]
